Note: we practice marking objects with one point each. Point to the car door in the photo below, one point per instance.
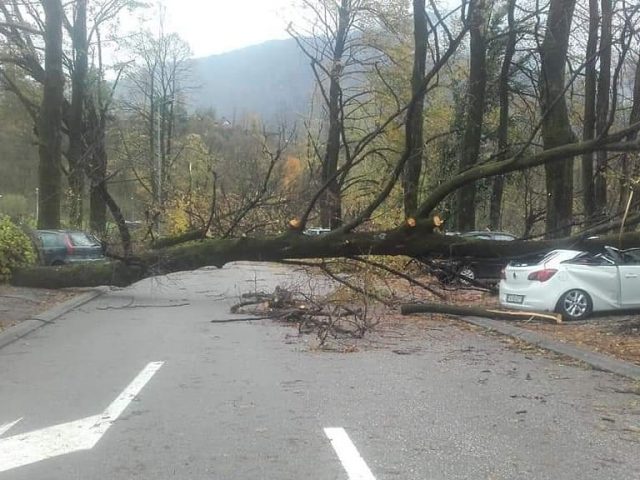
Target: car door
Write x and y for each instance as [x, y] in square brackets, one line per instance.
[597, 275]
[630, 280]
[51, 248]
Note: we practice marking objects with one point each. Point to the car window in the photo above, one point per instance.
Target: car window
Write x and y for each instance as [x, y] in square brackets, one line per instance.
[631, 257]
[549, 256]
[82, 240]
[591, 259]
[49, 240]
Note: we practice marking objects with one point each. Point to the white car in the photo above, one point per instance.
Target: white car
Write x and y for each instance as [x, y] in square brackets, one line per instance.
[574, 283]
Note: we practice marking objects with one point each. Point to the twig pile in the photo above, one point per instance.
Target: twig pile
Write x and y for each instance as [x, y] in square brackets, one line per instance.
[323, 317]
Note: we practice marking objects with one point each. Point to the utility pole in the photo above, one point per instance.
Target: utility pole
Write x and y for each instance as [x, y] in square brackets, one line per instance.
[37, 205]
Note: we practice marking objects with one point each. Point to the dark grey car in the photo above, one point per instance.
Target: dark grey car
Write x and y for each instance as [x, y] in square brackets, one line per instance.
[452, 270]
[58, 247]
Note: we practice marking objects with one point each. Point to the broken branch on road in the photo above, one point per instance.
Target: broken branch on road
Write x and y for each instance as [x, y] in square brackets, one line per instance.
[319, 316]
[466, 311]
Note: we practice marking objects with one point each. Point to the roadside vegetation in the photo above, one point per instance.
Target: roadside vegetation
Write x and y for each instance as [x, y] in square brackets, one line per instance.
[16, 249]
[424, 119]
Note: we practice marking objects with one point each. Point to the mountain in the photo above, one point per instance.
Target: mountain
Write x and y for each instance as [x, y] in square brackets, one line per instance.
[272, 79]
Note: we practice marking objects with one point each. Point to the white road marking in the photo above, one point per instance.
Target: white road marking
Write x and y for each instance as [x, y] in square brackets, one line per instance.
[5, 428]
[348, 454]
[26, 448]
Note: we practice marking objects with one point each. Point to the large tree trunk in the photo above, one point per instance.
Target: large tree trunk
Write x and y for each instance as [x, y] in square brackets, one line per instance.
[627, 185]
[466, 200]
[330, 203]
[589, 122]
[97, 165]
[470, 311]
[414, 124]
[50, 120]
[556, 128]
[76, 154]
[602, 108]
[495, 209]
[419, 241]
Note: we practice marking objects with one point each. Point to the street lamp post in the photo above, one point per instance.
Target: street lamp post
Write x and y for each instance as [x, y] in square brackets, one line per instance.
[37, 205]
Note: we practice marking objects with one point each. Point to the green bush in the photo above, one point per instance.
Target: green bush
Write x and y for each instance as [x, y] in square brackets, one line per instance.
[16, 249]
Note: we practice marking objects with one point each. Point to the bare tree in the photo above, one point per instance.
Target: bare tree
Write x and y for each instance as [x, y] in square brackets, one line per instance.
[50, 118]
[22, 28]
[556, 127]
[157, 83]
[497, 190]
[589, 121]
[474, 115]
[414, 126]
[76, 152]
[602, 106]
[329, 52]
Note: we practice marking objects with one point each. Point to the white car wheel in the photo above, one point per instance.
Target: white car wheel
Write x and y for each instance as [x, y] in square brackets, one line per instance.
[575, 305]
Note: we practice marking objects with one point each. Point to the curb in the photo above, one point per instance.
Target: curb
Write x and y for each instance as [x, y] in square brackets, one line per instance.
[26, 327]
[596, 360]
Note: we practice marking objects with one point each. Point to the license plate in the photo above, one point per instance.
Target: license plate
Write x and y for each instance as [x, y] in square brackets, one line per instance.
[515, 298]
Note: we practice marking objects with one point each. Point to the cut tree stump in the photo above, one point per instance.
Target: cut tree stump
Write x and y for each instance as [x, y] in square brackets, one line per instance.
[464, 311]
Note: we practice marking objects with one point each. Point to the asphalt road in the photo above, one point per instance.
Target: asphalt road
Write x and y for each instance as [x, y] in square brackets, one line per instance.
[250, 401]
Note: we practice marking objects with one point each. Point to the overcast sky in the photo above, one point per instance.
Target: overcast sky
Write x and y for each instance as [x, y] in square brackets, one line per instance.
[216, 26]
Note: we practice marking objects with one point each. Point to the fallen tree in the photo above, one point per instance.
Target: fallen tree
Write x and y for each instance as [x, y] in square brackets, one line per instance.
[465, 311]
[413, 241]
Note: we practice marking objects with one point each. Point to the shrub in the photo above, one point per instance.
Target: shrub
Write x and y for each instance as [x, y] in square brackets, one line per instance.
[16, 249]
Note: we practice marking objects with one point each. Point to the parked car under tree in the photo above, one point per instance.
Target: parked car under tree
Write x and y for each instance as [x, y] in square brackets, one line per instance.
[574, 283]
[59, 247]
[464, 270]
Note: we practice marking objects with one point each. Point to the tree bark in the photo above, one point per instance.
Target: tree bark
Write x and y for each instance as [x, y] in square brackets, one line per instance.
[330, 203]
[556, 128]
[76, 153]
[589, 122]
[465, 311]
[602, 108]
[466, 200]
[97, 165]
[50, 120]
[495, 208]
[414, 124]
[419, 241]
[627, 183]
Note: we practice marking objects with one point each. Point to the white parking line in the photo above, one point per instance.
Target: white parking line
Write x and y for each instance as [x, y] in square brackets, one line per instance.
[35, 446]
[348, 454]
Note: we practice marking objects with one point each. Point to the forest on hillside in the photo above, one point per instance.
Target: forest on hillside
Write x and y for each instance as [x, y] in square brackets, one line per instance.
[516, 115]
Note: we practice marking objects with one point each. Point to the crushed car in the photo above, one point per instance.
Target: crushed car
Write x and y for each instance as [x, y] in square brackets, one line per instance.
[451, 270]
[574, 283]
[60, 247]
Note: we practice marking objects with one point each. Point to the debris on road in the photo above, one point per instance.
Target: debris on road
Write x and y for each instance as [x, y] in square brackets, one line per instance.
[319, 315]
[469, 311]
